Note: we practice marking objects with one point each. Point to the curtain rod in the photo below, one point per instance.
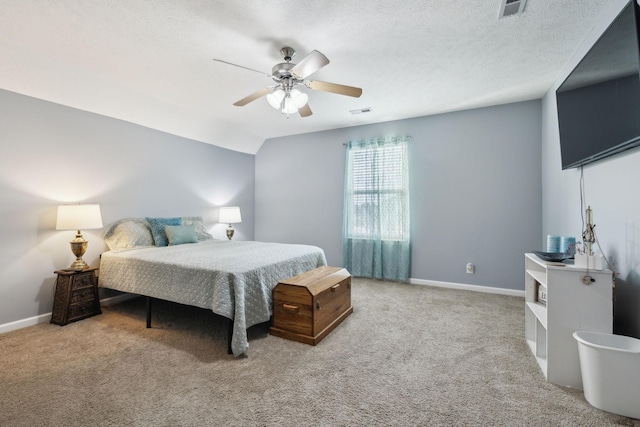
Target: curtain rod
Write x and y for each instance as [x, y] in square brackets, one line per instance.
[408, 137]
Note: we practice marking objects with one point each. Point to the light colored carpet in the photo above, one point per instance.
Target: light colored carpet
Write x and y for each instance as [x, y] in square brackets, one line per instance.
[408, 355]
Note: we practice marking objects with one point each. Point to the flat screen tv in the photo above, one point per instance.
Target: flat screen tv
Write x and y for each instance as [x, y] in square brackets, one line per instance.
[599, 102]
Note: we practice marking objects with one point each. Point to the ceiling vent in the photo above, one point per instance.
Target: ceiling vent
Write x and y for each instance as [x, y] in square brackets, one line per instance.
[361, 110]
[511, 7]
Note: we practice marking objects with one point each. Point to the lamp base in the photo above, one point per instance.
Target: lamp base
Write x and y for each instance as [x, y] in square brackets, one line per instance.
[78, 247]
[78, 265]
[230, 232]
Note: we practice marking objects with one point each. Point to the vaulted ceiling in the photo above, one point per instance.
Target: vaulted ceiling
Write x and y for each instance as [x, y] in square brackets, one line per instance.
[150, 62]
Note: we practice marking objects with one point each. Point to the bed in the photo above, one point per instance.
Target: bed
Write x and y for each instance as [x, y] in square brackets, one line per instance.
[234, 279]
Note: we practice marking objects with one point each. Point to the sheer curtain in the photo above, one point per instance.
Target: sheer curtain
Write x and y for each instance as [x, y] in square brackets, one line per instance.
[375, 237]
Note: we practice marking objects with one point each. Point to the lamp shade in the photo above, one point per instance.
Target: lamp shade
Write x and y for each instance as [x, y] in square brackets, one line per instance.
[79, 217]
[230, 215]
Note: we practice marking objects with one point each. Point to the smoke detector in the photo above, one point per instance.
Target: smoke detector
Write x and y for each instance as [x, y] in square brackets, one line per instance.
[511, 7]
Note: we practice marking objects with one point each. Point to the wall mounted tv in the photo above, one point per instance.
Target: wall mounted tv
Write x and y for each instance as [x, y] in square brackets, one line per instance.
[599, 102]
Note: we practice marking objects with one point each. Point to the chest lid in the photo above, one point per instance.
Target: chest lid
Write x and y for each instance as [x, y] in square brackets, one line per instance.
[318, 279]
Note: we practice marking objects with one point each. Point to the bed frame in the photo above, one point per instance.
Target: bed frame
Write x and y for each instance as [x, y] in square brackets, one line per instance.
[229, 324]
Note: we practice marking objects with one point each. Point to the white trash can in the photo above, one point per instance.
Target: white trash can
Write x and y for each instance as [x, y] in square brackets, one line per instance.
[610, 367]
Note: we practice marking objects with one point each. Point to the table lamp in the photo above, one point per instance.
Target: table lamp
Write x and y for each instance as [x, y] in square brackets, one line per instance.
[79, 217]
[230, 215]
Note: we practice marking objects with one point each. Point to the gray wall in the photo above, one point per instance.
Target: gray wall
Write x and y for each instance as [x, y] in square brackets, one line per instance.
[475, 191]
[51, 155]
[611, 189]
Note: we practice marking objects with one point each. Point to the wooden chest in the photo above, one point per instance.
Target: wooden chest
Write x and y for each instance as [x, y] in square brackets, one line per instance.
[308, 306]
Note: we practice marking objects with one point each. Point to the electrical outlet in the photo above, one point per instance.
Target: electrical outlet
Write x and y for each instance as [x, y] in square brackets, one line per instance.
[469, 268]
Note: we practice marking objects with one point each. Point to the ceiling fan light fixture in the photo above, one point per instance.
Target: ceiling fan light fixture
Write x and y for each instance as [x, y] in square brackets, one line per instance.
[289, 107]
[275, 98]
[284, 95]
[300, 99]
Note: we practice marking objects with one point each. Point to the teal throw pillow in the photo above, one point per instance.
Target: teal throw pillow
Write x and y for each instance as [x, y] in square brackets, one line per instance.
[157, 229]
[181, 234]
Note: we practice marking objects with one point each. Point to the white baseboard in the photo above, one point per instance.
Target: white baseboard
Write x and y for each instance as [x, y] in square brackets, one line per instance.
[46, 318]
[23, 323]
[474, 288]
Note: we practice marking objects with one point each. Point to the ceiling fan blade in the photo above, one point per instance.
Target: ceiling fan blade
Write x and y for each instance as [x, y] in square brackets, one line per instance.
[305, 111]
[253, 96]
[335, 88]
[310, 64]
[241, 66]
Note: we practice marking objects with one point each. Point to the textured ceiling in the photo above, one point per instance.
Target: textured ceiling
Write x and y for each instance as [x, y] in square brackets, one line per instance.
[150, 61]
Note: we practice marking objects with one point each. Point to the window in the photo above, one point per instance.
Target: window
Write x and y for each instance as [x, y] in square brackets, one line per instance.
[377, 192]
[376, 208]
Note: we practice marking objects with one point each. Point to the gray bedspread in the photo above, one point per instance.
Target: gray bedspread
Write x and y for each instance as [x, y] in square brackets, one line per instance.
[234, 279]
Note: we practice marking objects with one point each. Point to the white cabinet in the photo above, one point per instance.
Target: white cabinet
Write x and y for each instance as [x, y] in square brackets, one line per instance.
[559, 300]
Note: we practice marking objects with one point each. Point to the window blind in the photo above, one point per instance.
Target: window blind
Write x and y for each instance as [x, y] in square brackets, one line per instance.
[378, 192]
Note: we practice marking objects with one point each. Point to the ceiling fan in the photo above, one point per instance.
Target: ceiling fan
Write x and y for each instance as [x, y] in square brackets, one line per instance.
[285, 94]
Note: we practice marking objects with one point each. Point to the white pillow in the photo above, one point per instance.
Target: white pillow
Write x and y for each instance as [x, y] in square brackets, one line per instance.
[196, 221]
[128, 233]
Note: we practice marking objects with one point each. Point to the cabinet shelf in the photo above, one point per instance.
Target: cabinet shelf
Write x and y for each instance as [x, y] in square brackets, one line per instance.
[542, 362]
[539, 311]
[539, 276]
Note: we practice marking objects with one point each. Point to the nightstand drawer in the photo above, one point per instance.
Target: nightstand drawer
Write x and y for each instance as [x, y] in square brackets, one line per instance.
[79, 311]
[83, 294]
[83, 280]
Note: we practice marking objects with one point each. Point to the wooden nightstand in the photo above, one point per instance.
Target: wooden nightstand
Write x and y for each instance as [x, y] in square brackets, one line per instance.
[76, 296]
